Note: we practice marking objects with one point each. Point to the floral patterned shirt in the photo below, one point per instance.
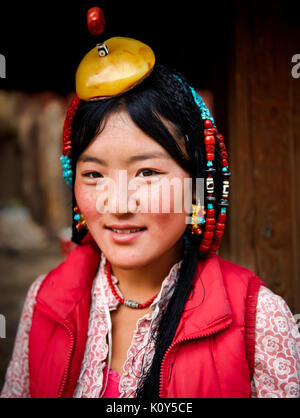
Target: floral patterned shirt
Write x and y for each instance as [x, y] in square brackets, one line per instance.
[277, 344]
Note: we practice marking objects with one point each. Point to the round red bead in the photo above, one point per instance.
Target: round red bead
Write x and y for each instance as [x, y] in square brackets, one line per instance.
[209, 131]
[210, 221]
[210, 213]
[224, 162]
[208, 235]
[96, 21]
[219, 233]
[222, 217]
[206, 242]
[210, 156]
[209, 148]
[224, 154]
[210, 228]
[203, 248]
[208, 123]
[209, 140]
[220, 226]
[198, 231]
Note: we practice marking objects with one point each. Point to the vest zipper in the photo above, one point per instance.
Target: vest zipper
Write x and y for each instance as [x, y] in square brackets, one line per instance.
[209, 332]
[65, 375]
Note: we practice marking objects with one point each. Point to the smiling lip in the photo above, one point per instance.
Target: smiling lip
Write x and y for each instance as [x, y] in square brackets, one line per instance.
[124, 226]
[124, 237]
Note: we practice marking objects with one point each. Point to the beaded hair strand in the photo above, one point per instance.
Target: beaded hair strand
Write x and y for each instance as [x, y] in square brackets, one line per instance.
[211, 227]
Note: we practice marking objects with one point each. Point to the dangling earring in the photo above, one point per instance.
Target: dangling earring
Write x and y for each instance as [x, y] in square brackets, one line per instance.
[81, 223]
[197, 218]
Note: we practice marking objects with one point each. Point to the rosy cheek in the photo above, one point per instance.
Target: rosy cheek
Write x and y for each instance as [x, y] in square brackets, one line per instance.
[86, 200]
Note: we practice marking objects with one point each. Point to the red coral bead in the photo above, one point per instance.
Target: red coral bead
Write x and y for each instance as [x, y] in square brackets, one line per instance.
[206, 242]
[210, 213]
[210, 156]
[222, 217]
[210, 228]
[209, 148]
[219, 233]
[208, 123]
[203, 248]
[209, 131]
[224, 154]
[208, 235]
[224, 162]
[220, 226]
[210, 221]
[209, 140]
[96, 21]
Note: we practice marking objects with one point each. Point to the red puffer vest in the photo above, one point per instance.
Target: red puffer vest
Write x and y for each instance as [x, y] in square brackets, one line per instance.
[212, 352]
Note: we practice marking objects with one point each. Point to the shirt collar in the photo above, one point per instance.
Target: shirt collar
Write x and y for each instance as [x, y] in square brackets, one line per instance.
[164, 294]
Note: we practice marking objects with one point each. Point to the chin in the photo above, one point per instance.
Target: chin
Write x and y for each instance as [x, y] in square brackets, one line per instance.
[129, 258]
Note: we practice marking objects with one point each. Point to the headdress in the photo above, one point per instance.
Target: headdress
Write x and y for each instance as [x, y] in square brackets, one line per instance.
[112, 68]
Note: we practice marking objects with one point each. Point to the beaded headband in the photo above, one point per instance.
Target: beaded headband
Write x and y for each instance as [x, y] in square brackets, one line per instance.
[108, 71]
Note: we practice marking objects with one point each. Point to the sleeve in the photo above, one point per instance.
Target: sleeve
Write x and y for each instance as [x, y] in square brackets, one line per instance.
[17, 375]
[277, 349]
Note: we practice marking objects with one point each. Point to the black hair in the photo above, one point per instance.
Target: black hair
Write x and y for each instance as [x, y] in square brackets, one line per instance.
[159, 98]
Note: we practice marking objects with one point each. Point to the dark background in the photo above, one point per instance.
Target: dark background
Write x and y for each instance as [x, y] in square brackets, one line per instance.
[43, 42]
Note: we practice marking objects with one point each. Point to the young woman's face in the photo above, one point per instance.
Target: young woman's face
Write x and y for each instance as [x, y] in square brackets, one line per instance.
[123, 183]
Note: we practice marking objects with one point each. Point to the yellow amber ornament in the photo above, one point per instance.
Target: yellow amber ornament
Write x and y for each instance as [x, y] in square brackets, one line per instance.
[127, 63]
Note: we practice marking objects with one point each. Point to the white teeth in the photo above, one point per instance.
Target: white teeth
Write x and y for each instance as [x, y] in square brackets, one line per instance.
[126, 231]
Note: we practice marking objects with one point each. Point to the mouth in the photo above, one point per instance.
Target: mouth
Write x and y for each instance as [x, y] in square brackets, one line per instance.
[125, 232]
[125, 228]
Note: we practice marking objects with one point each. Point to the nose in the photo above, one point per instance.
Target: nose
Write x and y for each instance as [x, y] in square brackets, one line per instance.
[114, 195]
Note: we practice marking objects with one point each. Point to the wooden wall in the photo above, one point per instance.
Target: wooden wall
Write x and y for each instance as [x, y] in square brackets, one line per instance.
[264, 142]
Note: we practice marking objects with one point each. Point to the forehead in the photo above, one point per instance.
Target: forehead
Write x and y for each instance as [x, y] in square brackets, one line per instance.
[120, 135]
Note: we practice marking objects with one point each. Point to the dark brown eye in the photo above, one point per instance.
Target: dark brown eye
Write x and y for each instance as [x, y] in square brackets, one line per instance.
[147, 172]
[92, 175]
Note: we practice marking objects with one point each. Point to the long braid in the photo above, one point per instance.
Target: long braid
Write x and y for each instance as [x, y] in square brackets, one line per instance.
[150, 385]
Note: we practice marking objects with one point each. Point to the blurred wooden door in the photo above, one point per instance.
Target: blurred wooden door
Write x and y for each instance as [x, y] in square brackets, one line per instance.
[263, 233]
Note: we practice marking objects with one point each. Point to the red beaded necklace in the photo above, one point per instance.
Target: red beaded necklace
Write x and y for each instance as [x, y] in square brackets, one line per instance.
[130, 303]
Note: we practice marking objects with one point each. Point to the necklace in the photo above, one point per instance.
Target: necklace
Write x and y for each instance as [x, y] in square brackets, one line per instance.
[130, 303]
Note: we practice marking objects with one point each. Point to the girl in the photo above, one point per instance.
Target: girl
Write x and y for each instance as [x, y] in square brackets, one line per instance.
[143, 307]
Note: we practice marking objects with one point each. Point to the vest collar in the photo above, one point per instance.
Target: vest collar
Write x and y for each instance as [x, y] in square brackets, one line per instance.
[66, 285]
[207, 309]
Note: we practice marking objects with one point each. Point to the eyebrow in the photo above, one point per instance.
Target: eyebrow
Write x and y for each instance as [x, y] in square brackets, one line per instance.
[140, 157]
